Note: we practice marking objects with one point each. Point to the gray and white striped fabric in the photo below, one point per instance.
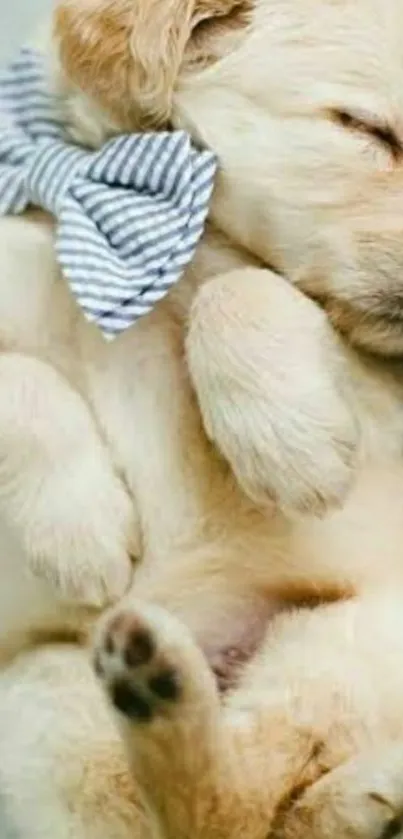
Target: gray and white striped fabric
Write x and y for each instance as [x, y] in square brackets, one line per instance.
[129, 217]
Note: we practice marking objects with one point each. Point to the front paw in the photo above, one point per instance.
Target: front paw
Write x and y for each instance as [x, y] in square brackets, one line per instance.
[84, 551]
[270, 379]
[301, 461]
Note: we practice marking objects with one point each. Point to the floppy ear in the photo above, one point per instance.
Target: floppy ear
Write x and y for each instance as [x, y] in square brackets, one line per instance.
[127, 54]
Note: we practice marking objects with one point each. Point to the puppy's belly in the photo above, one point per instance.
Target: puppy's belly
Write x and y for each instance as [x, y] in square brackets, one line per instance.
[242, 635]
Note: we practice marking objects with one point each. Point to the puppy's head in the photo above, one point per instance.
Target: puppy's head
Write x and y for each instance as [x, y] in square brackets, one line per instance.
[126, 55]
[302, 104]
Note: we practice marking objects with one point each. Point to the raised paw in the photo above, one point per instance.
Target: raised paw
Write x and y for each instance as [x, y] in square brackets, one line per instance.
[147, 663]
[169, 712]
[272, 388]
[141, 681]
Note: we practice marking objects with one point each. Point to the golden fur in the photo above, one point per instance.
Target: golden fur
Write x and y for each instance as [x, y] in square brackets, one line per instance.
[249, 415]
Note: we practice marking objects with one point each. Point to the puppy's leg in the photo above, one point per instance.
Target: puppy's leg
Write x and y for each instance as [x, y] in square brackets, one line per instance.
[169, 711]
[57, 488]
[200, 766]
[268, 372]
[63, 772]
[363, 799]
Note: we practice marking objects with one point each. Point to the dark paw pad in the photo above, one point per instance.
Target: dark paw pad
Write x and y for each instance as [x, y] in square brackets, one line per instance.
[165, 685]
[139, 676]
[139, 647]
[130, 702]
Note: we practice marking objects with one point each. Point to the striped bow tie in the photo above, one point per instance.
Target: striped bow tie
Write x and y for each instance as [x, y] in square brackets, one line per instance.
[129, 217]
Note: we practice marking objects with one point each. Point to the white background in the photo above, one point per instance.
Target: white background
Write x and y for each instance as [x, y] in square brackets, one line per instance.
[17, 20]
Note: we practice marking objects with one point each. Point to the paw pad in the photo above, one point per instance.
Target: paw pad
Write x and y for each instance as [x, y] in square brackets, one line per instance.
[139, 678]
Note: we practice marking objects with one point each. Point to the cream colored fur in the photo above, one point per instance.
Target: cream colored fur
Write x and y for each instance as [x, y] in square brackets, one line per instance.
[204, 440]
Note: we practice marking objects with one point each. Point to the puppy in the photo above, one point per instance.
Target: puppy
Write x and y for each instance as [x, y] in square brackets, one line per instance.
[244, 408]
[309, 152]
[268, 372]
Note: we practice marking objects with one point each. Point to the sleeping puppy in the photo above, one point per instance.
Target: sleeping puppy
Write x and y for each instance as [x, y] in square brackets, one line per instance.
[309, 151]
[301, 109]
[288, 405]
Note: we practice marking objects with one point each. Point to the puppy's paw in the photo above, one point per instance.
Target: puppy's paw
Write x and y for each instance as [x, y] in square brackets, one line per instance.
[149, 665]
[303, 463]
[91, 580]
[86, 551]
[58, 489]
[270, 379]
[141, 680]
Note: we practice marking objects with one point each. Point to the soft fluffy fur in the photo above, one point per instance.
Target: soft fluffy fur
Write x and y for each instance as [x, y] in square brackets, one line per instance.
[294, 420]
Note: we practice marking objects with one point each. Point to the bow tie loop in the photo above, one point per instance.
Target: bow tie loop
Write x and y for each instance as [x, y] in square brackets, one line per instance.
[135, 226]
[51, 170]
[128, 217]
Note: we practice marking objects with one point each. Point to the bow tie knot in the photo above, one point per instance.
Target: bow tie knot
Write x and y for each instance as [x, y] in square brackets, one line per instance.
[128, 218]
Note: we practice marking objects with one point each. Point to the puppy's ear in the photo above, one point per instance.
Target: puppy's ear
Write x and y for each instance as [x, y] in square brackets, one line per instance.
[127, 54]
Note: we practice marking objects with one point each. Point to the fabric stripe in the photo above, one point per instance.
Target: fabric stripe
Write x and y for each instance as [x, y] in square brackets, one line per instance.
[129, 217]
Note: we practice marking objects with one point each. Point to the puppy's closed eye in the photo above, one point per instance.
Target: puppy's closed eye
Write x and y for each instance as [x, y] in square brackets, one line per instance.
[367, 124]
